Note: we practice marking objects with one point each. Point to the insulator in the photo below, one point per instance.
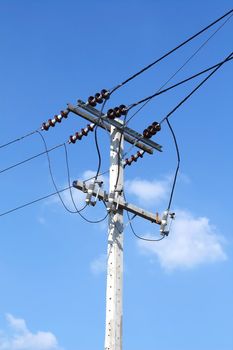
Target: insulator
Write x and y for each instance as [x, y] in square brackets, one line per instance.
[105, 94]
[84, 132]
[133, 158]
[111, 114]
[45, 126]
[151, 130]
[56, 119]
[65, 113]
[98, 98]
[90, 127]
[117, 112]
[51, 123]
[92, 101]
[146, 133]
[123, 109]
[140, 154]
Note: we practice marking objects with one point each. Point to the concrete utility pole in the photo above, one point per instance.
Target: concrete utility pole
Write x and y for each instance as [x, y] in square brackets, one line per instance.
[115, 204]
[113, 330]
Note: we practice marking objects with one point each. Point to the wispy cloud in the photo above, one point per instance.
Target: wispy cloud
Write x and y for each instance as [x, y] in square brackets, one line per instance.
[148, 192]
[19, 337]
[192, 242]
[99, 265]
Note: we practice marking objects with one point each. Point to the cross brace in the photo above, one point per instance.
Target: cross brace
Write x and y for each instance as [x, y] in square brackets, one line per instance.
[106, 126]
[119, 203]
[127, 131]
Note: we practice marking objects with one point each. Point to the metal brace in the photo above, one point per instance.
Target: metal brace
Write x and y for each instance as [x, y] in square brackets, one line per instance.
[164, 222]
[90, 190]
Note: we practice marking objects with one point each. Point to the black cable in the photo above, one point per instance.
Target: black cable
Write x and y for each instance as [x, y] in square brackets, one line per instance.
[32, 202]
[140, 237]
[58, 193]
[175, 85]
[96, 141]
[170, 52]
[18, 139]
[31, 158]
[196, 88]
[178, 165]
[69, 182]
[147, 100]
[119, 158]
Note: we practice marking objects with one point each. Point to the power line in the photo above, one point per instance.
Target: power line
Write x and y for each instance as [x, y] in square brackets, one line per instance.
[217, 66]
[30, 158]
[58, 193]
[18, 139]
[178, 164]
[170, 52]
[196, 88]
[160, 92]
[32, 202]
[139, 236]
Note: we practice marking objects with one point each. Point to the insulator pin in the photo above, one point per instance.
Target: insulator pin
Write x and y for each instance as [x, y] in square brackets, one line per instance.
[151, 130]
[83, 132]
[117, 112]
[133, 158]
[56, 119]
[98, 98]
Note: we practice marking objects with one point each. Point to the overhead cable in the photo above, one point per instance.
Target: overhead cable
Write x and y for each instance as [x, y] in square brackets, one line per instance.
[177, 84]
[76, 211]
[170, 52]
[196, 88]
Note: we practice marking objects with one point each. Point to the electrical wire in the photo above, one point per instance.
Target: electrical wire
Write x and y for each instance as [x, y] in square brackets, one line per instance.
[195, 89]
[96, 141]
[139, 236]
[119, 158]
[148, 99]
[216, 66]
[169, 52]
[31, 158]
[18, 139]
[177, 167]
[160, 92]
[32, 202]
[58, 193]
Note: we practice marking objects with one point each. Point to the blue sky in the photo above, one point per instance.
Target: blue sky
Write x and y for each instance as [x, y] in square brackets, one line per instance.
[177, 293]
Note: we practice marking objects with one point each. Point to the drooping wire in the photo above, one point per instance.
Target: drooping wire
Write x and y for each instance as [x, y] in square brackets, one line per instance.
[195, 89]
[169, 52]
[119, 159]
[45, 197]
[177, 167]
[58, 193]
[139, 236]
[96, 141]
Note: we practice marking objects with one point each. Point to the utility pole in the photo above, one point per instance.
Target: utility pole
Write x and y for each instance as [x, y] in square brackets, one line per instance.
[115, 204]
[113, 327]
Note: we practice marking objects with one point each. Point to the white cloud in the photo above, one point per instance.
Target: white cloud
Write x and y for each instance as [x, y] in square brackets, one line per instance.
[19, 337]
[192, 242]
[99, 265]
[148, 192]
